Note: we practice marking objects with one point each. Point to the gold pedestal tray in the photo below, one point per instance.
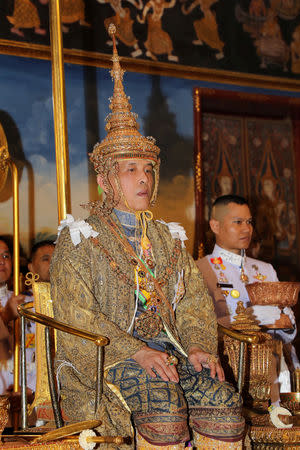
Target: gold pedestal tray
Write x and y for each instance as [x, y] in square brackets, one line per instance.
[291, 401]
[269, 437]
[276, 293]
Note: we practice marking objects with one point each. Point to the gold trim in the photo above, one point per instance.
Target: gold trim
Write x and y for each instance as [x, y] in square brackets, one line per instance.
[68, 430]
[271, 435]
[153, 67]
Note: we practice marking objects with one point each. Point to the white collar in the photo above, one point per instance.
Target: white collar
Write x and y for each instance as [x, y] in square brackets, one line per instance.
[233, 258]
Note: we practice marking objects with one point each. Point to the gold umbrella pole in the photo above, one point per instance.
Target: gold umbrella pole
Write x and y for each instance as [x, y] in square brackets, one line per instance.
[59, 111]
[16, 281]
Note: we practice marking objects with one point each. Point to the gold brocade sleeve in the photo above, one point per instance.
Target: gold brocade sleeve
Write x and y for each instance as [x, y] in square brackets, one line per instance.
[195, 316]
[76, 274]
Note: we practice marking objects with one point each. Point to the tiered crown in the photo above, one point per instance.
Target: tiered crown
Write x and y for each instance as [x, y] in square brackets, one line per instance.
[123, 139]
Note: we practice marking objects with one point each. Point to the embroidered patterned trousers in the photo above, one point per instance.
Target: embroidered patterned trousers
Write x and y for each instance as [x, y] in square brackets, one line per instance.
[162, 411]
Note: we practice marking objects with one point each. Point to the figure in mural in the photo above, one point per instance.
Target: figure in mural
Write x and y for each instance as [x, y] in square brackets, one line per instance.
[158, 41]
[290, 223]
[253, 19]
[224, 181]
[271, 208]
[271, 47]
[25, 15]
[73, 11]
[286, 9]
[206, 28]
[124, 23]
[257, 8]
[295, 51]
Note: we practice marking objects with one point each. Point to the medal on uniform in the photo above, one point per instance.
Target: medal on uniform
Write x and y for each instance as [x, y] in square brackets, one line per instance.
[243, 277]
[235, 293]
[218, 263]
[222, 278]
[258, 276]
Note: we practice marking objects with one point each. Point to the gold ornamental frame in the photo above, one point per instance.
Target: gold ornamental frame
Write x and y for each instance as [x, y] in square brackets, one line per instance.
[97, 59]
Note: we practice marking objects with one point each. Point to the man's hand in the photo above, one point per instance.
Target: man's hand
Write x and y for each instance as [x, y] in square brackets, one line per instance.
[151, 360]
[201, 359]
[10, 312]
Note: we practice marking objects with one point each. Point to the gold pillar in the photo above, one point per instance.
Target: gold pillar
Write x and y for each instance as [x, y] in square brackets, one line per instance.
[16, 274]
[59, 112]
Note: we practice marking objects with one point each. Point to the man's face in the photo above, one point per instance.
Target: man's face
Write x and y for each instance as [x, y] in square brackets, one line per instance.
[40, 263]
[5, 263]
[233, 227]
[136, 181]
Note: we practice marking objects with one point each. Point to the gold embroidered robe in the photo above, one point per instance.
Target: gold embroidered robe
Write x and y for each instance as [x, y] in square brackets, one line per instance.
[89, 294]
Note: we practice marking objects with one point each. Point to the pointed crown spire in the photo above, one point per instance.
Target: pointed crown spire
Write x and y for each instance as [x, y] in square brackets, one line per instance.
[123, 139]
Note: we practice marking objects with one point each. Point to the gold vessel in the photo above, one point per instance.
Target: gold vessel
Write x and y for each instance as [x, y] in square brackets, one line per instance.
[278, 293]
[275, 293]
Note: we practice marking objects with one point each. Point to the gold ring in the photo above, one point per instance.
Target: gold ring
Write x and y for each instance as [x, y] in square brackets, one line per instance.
[212, 359]
[171, 360]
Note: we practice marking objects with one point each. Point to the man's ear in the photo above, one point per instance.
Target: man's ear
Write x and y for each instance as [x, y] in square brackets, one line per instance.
[214, 225]
[100, 182]
[30, 267]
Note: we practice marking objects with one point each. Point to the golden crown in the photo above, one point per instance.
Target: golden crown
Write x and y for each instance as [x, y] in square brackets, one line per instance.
[123, 139]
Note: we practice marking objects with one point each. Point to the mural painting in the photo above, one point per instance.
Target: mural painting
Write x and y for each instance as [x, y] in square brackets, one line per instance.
[270, 156]
[254, 158]
[251, 36]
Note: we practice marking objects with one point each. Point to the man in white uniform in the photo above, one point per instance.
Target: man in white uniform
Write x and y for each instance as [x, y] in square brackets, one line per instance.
[227, 270]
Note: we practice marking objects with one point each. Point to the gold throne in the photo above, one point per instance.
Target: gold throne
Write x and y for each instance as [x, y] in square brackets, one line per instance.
[46, 401]
[250, 353]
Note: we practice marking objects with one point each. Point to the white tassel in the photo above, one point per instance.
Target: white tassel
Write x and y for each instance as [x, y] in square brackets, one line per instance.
[76, 227]
[177, 231]
[83, 442]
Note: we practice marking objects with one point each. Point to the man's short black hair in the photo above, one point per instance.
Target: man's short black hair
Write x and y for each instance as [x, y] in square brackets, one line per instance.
[38, 245]
[231, 198]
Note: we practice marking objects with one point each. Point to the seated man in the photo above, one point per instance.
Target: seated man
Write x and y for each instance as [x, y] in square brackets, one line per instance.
[227, 270]
[8, 314]
[40, 259]
[124, 275]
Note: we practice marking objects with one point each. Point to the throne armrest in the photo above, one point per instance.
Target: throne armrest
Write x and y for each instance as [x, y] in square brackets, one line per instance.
[243, 339]
[99, 340]
[24, 310]
[239, 336]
